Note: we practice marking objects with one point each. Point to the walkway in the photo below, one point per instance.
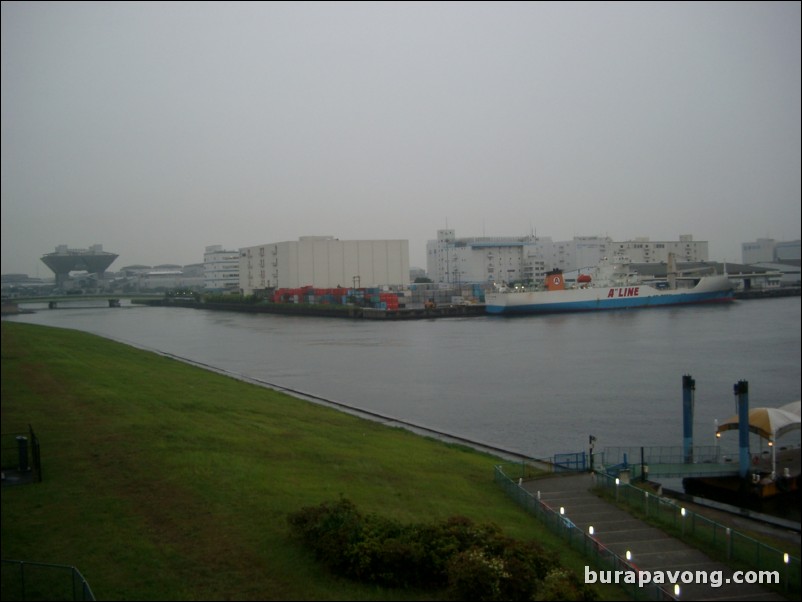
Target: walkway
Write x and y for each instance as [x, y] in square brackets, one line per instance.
[651, 548]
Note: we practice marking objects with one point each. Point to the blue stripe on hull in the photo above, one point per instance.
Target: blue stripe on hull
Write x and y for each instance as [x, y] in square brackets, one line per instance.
[614, 303]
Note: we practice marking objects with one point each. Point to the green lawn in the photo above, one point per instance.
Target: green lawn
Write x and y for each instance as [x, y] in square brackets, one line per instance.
[163, 481]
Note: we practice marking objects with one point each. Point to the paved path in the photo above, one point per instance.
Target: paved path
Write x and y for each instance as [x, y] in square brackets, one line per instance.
[651, 548]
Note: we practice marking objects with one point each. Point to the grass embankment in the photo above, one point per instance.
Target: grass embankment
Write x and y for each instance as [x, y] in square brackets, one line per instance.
[163, 481]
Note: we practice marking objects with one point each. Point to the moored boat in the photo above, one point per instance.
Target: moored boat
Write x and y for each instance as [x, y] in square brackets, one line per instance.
[612, 287]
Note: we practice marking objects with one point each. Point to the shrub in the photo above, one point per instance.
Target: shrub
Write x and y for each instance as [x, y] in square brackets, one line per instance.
[471, 561]
[387, 554]
[560, 584]
[331, 530]
[475, 575]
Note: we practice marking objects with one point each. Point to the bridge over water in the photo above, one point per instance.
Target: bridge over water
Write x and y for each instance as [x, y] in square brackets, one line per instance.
[17, 304]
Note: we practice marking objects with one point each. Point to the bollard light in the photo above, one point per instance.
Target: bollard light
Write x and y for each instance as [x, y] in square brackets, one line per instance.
[786, 560]
[682, 511]
[676, 591]
[617, 481]
[590, 529]
[629, 555]
[562, 510]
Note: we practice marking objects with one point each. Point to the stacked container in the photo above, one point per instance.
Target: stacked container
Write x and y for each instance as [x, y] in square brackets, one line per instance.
[371, 297]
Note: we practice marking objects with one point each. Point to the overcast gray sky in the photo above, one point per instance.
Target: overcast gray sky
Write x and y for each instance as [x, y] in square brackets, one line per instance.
[158, 128]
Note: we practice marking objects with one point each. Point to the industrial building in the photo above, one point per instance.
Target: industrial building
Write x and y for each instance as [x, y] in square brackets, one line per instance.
[498, 260]
[768, 250]
[323, 262]
[220, 270]
[93, 260]
[164, 277]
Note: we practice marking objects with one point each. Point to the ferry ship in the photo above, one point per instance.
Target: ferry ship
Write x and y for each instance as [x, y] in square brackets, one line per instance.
[612, 286]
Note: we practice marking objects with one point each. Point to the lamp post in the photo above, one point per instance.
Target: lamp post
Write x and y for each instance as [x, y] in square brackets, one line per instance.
[741, 390]
[773, 447]
[716, 438]
[688, 387]
[786, 561]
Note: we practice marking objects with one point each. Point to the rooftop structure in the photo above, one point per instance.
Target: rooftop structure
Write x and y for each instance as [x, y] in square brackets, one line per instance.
[93, 260]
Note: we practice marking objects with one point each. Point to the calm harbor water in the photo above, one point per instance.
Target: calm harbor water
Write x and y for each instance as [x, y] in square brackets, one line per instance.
[534, 385]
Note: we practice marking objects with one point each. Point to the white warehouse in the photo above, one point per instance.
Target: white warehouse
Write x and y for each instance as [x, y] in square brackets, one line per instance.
[324, 262]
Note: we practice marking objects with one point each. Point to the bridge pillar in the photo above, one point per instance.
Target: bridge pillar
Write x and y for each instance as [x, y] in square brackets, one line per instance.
[688, 388]
[741, 389]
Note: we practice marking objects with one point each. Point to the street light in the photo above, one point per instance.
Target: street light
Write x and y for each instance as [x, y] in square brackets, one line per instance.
[786, 561]
[773, 456]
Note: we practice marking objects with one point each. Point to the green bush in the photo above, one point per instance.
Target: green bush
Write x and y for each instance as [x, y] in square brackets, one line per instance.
[503, 569]
[389, 554]
[560, 584]
[332, 530]
[476, 575]
[470, 561]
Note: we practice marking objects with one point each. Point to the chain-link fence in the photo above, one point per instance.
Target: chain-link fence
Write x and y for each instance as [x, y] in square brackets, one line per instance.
[601, 556]
[710, 535]
[39, 581]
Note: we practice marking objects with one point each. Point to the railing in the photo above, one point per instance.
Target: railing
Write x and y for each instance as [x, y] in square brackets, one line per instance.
[601, 556]
[735, 547]
[39, 581]
[672, 454]
[535, 467]
[665, 461]
[575, 462]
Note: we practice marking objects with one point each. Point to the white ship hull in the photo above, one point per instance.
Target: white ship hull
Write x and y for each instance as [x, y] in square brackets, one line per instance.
[709, 289]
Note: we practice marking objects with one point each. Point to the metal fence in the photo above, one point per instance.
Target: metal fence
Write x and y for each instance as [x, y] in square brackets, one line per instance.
[39, 581]
[735, 547]
[575, 462]
[537, 467]
[20, 457]
[665, 454]
[601, 556]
